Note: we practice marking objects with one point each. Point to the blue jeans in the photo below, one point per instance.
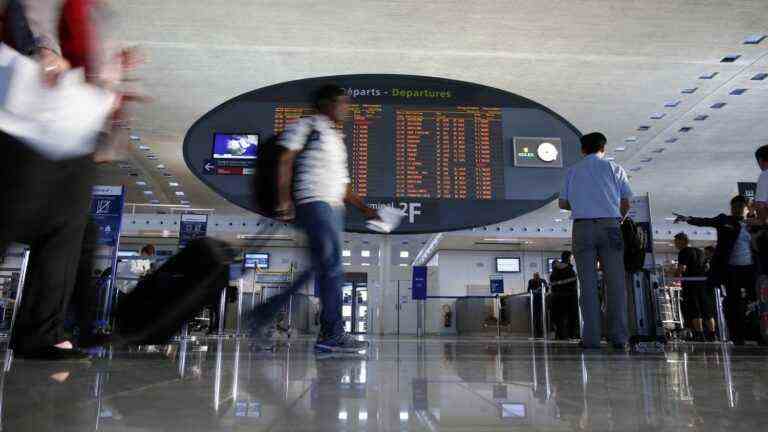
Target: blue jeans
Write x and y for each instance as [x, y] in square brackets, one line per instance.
[324, 224]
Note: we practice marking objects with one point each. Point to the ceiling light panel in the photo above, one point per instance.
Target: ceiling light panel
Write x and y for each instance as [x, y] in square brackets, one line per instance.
[708, 76]
[686, 129]
[643, 128]
[730, 58]
[759, 77]
[738, 91]
[754, 39]
[670, 140]
[701, 117]
[672, 104]
[691, 90]
[718, 105]
[658, 116]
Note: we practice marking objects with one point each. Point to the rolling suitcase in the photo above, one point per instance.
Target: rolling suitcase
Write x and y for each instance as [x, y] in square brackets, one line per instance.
[174, 293]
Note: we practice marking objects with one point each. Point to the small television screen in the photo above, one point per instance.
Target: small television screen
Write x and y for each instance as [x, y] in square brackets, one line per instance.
[235, 146]
[513, 410]
[551, 264]
[257, 260]
[507, 265]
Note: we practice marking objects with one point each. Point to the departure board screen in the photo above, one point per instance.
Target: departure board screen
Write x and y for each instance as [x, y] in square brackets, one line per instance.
[451, 154]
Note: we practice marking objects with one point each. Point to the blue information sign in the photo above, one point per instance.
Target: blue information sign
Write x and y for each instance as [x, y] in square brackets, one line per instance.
[107, 213]
[497, 284]
[192, 226]
[419, 283]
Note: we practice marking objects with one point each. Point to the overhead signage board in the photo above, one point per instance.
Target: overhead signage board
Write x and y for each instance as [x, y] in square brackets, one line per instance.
[452, 155]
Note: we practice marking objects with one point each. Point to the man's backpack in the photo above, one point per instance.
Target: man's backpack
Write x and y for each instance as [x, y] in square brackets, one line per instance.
[265, 179]
[635, 242]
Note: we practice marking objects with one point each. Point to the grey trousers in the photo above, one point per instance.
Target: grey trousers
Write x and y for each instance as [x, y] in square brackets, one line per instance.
[595, 239]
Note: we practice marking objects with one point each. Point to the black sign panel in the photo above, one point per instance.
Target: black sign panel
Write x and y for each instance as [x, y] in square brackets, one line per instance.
[446, 152]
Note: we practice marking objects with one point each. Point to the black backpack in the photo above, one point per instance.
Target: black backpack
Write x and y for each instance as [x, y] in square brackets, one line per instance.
[635, 242]
[265, 176]
[265, 181]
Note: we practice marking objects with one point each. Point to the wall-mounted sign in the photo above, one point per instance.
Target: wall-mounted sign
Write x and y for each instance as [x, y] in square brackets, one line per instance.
[419, 283]
[438, 149]
[497, 284]
[191, 227]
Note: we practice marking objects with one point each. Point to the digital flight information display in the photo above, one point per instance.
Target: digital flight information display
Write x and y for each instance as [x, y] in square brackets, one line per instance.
[451, 154]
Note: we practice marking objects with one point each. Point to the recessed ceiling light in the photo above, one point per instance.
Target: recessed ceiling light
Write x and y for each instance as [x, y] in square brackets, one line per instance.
[403, 265]
[184, 202]
[179, 193]
[141, 183]
[738, 91]
[346, 253]
[347, 264]
[701, 117]
[643, 128]
[621, 149]
[135, 138]
[630, 139]
[144, 147]
[670, 140]
[708, 76]
[659, 151]
[365, 264]
[686, 129]
[658, 116]
[365, 253]
[610, 158]
[646, 160]
[160, 166]
[691, 90]
[754, 39]
[730, 58]
[404, 254]
[672, 104]
[151, 157]
[718, 105]
[148, 192]
[636, 169]
[759, 77]
[173, 184]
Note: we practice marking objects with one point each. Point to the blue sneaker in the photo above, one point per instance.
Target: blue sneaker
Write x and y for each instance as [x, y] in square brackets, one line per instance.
[343, 343]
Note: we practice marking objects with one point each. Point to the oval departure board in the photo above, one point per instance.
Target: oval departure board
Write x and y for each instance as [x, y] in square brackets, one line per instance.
[452, 154]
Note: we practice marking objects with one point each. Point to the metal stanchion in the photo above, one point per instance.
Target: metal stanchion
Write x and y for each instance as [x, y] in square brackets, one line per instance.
[222, 311]
[498, 319]
[532, 324]
[544, 326]
[239, 322]
[722, 326]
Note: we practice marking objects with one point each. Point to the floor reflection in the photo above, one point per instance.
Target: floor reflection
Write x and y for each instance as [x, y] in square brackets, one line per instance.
[401, 384]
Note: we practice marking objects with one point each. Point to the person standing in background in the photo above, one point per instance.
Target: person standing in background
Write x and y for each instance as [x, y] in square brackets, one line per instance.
[597, 193]
[733, 263]
[565, 298]
[538, 288]
[698, 303]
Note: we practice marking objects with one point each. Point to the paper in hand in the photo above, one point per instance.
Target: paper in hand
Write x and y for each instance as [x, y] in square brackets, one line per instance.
[389, 219]
[59, 122]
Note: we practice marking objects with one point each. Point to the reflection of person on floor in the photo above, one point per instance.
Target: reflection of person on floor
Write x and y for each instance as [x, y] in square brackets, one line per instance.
[537, 286]
[565, 298]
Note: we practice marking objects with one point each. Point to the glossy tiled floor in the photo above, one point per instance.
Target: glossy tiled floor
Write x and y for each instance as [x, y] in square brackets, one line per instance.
[433, 384]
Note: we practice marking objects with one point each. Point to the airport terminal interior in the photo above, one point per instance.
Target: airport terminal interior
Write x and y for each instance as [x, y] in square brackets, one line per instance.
[466, 116]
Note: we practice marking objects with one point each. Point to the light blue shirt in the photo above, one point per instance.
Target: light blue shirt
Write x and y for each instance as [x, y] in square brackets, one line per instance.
[594, 187]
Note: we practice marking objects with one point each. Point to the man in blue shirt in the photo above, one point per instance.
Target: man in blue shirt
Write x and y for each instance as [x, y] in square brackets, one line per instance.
[597, 193]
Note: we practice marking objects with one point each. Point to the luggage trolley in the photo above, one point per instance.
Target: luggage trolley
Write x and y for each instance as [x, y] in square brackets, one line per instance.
[667, 304]
[12, 277]
[265, 286]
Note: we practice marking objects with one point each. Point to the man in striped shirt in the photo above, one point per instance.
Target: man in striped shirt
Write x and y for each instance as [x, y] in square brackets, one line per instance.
[314, 184]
